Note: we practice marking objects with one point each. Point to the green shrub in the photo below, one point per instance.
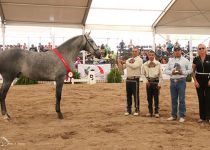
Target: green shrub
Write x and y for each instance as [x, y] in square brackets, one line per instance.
[24, 81]
[189, 78]
[114, 76]
[76, 75]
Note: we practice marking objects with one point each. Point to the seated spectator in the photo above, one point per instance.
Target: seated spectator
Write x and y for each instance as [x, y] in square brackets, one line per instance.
[164, 60]
[78, 61]
[33, 48]
[41, 48]
[169, 46]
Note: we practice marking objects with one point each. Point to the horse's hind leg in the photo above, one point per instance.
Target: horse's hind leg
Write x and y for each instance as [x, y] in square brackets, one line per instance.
[59, 86]
[3, 93]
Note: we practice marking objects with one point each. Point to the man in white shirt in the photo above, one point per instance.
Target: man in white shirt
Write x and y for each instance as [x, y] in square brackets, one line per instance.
[178, 68]
[133, 66]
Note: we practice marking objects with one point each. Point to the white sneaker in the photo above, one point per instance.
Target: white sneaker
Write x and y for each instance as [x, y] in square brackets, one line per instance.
[181, 120]
[126, 113]
[136, 114]
[171, 119]
[157, 115]
[200, 120]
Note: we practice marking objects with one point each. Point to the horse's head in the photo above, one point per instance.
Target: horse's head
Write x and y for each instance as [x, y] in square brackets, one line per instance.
[91, 46]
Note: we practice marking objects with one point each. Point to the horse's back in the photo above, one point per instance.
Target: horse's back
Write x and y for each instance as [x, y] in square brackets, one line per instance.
[11, 59]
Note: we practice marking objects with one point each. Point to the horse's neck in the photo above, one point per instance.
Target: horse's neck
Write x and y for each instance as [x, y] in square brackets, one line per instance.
[71, 48]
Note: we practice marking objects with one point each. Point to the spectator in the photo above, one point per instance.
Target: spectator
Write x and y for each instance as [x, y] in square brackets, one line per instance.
[33, 48]
[201, 76]
[178, 68]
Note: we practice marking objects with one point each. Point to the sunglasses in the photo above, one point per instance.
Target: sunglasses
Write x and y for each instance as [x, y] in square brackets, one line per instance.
[201, 48]
[177, 50]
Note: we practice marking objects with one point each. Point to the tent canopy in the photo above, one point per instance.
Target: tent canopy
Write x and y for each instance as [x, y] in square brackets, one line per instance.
[165, 16]
[54, 12]
[185, 17]
[92, 14]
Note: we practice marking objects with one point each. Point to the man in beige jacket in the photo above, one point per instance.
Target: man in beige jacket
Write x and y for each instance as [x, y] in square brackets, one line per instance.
[152, 71]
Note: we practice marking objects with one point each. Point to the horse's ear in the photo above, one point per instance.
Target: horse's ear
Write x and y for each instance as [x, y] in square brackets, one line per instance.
[87, 33]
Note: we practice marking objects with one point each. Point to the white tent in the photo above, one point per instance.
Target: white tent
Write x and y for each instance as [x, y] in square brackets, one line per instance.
[185, 17]
[158, 16]
[136, 15]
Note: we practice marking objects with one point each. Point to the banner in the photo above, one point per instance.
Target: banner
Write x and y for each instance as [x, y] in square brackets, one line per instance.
[101, 71]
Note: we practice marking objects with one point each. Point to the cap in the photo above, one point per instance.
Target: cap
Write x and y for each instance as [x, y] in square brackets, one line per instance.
[177, 48]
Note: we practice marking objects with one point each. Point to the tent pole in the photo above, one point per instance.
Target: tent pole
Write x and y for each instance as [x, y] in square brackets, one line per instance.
[52, 36]
[3, 34]
[153, 35]
[190, 49]
[83, 29]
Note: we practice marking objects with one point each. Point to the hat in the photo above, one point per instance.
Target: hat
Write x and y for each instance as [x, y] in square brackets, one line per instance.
[177, 48]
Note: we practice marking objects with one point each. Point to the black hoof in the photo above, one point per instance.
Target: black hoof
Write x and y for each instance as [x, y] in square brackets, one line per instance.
[60, 115]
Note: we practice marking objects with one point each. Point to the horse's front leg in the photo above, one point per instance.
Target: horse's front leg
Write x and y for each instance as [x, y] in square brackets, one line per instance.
[3, 93]
[59, 86]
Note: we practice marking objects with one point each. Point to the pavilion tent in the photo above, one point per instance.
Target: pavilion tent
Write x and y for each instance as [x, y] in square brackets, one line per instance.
[158, 16]
[174, 16]
[137, 15]
[45, 12]
[134, 15]
[185, 17]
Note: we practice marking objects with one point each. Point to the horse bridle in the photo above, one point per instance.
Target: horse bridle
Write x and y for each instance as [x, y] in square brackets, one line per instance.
[87, 41]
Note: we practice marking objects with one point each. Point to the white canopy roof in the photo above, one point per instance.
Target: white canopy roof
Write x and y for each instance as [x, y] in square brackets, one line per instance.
[166, 16]
[91, 14]
[185, 17]
[38, 12]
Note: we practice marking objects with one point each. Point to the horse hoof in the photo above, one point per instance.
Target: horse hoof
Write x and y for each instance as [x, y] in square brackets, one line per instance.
[60, 116]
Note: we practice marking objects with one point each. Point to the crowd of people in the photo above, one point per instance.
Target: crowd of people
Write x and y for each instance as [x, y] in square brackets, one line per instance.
[39, 48]
[162, 52]
[178, 67]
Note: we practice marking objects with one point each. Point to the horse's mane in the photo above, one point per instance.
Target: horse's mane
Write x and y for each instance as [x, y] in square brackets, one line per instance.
[67, 43]
[72, 39]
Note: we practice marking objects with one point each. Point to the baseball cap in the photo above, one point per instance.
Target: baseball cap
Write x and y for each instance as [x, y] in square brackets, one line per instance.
[177, 48]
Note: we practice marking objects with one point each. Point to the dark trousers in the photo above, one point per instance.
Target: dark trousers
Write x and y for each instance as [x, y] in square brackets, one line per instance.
[132, 89]
[203, 93]
[153, 91]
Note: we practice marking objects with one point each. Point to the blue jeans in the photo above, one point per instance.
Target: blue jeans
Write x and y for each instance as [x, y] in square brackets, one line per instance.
[177, 89]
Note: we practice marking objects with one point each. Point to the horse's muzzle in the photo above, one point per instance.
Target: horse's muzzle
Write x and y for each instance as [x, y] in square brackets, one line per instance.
[98, 54]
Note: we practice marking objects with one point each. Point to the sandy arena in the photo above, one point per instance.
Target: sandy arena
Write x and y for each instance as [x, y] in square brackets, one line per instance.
[94, 120]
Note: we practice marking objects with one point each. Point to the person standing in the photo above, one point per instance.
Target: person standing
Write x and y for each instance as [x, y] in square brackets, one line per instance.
[153, 73]
[133, 66]
[178, 68]
[201, 77]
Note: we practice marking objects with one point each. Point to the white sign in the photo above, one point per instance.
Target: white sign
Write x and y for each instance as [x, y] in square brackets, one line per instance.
[101, 71]
[91, 77]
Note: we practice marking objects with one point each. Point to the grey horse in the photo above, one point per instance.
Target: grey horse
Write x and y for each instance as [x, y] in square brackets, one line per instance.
[42, 66]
